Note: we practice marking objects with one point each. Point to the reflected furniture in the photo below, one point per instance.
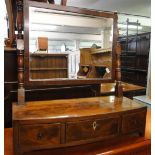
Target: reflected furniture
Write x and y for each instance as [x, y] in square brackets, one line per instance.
[46, 66]
[95, 63]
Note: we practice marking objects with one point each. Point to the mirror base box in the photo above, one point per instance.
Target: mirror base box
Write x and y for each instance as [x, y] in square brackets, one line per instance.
[60, 123]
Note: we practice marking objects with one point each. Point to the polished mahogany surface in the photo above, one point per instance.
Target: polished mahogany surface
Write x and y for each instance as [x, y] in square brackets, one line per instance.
[129, 90]
[72, 108]
[119, 147]
[110, 87]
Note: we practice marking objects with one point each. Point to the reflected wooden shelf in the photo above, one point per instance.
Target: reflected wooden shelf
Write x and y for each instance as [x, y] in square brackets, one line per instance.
[48, 54]
[98, 62]
[100, 50]
[85, 65]
[99, 66]
[48, 65]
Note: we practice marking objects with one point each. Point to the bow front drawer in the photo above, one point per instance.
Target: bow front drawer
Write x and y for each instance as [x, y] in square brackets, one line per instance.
[39, 134]
[92, 129]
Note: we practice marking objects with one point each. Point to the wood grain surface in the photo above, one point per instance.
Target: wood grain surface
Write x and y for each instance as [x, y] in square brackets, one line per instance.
[136, 146]
[73, 108]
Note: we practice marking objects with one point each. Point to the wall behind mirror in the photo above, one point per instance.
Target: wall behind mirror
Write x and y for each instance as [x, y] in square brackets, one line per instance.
[69, 45]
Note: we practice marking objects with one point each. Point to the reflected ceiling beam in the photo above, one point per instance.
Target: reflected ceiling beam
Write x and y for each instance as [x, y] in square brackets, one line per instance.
[63, 2]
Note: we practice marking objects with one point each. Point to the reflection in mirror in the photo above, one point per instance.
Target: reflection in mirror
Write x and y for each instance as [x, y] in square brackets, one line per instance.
[69, 45]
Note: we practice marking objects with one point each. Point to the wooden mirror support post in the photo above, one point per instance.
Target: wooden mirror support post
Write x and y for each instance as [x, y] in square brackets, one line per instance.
[118, 87]
[20, 52]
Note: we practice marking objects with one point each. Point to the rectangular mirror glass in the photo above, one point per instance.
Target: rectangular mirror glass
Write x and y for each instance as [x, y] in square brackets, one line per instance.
[65, 45]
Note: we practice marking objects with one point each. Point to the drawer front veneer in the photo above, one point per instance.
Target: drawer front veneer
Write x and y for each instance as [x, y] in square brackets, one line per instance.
[89, 129]
[39, 134]
[134, 122]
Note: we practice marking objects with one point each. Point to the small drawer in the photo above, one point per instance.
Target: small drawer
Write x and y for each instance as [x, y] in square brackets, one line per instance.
[39, 134]
[134, 122]
[91, 129]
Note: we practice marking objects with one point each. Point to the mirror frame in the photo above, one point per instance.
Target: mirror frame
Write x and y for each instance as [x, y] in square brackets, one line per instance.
[45, 82]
